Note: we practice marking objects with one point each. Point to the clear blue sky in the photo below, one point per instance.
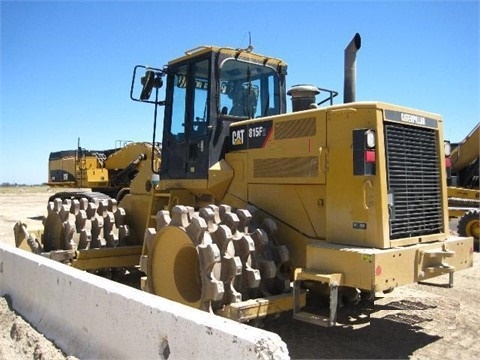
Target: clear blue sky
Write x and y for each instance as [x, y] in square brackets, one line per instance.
[66, 66]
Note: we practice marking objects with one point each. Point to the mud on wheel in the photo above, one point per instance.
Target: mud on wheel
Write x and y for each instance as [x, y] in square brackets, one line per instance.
[210, 258]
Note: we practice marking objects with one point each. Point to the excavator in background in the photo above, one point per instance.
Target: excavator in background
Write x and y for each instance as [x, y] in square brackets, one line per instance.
[463, 184]
[106, 172]
[252, 210]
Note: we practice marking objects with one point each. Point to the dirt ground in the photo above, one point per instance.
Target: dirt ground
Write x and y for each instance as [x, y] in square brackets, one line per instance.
[417, 321]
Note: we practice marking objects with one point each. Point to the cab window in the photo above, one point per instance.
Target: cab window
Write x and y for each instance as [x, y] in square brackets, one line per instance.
[177, 128]
[248, 90]
[200, 96]
[190, 100]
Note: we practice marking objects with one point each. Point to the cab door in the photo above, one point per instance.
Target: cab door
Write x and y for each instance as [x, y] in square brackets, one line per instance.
[185, 136]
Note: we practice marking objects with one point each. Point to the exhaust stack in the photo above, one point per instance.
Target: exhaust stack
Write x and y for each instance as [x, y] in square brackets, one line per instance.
[349, 84]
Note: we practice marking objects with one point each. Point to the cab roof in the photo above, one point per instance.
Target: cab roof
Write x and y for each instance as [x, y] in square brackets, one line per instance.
[244, 54]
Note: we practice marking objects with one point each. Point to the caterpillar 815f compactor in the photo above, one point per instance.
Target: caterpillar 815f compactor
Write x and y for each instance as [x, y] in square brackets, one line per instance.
[464, 187]
[253, 209]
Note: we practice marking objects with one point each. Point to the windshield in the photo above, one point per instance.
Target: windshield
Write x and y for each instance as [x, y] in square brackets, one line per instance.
[248, 90]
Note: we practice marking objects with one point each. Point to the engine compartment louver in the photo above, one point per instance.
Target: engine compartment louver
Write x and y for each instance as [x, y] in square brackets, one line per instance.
[414, 181]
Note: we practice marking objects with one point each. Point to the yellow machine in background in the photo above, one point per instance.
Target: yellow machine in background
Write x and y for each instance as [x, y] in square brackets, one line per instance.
[104, 171]
[254, 209]
[464, 189]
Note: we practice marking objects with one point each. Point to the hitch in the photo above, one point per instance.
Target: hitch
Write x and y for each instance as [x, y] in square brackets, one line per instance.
[432, 263]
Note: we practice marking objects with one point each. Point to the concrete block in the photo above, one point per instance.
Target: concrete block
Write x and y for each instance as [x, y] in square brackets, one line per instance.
[92, 317]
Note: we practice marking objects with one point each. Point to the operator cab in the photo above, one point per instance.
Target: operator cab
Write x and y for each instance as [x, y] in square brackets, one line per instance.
[206, 90]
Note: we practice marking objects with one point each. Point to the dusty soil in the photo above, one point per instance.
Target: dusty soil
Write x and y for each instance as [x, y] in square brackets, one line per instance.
[23, 203]
[19, 340]
[417, 321]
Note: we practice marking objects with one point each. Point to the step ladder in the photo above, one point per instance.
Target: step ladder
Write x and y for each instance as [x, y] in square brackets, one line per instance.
[333, 282]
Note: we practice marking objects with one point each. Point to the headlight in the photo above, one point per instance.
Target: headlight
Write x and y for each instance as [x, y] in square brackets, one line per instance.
[370, 139]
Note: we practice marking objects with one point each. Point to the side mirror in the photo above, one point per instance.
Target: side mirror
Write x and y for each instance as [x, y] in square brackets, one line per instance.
[142, 85]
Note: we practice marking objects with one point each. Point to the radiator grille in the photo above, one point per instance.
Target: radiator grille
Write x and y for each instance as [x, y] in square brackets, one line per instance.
[414, 181]
[286, 167]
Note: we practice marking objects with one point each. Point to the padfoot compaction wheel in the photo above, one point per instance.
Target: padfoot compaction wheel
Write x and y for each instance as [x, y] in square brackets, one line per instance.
[208, 259]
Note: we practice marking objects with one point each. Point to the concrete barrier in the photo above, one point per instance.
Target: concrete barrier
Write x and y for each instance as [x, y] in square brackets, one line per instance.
[91, 317]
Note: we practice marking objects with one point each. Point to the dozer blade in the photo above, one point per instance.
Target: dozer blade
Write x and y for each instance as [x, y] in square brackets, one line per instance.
[91, 259]
[26, 240]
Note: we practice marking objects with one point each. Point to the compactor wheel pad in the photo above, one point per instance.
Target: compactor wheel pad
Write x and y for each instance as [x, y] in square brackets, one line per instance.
[81, 224]
[206, 259]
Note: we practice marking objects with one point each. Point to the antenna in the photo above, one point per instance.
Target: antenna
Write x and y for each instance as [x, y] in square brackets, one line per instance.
[250, 47]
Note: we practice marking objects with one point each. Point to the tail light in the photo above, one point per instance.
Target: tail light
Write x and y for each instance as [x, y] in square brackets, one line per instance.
[448, 160]
[364, 156]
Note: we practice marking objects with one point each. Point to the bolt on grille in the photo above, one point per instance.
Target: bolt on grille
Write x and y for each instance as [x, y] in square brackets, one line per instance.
[414, 181]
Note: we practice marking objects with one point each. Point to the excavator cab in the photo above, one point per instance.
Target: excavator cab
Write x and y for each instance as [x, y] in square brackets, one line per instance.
[206, 90]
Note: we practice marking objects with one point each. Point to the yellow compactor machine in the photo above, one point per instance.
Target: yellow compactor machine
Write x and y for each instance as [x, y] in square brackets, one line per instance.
[252, 208]
[464, 186]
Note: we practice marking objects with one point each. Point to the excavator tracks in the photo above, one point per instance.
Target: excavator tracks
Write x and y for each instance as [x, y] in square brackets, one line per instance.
[91, 196]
